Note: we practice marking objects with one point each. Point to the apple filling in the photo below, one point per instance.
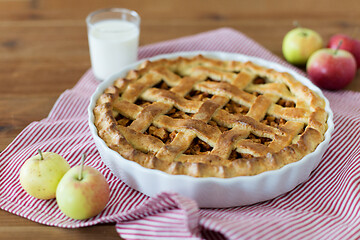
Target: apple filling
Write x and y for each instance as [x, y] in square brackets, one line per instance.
[160, 133]
[198, 96]
[162, 85]
[142, 103]
[236, 155]
[261, 140]
[197, 147]
[222, 128]
[123, 121]
[286, 103]
[259, 80]
[273, 121]
[174, 113]
[235, 108]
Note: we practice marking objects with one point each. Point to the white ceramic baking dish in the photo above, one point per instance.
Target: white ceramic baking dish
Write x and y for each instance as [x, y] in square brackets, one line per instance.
[212, 192]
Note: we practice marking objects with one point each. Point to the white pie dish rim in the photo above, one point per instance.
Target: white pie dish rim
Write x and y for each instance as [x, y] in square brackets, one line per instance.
[242, 190]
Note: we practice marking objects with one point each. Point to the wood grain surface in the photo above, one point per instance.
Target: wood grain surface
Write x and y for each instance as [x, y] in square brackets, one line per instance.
[44, 51]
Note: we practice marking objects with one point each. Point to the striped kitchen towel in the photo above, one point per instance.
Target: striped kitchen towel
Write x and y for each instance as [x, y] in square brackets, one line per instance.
[324, 207]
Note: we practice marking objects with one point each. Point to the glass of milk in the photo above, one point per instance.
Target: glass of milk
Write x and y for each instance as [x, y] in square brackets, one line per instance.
[113, 36]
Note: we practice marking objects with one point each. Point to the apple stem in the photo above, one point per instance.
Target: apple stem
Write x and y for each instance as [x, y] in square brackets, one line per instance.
[296, 24]
[80, 177]
[41, 155]
[338, 46]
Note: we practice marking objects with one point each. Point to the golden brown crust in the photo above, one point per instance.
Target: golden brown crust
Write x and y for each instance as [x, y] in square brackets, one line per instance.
[283, 121]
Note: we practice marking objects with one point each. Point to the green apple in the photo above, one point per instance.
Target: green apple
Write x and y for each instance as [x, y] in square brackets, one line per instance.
[40, 174]
[82, 193]
[299, 44]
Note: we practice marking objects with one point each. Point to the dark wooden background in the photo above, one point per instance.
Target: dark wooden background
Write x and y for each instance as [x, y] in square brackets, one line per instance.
[44, 51]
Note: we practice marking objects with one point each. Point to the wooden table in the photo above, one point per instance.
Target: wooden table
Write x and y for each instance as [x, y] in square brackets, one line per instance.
[44, 50]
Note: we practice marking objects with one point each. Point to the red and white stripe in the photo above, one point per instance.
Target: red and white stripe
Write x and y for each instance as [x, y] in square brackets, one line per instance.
[327, 206]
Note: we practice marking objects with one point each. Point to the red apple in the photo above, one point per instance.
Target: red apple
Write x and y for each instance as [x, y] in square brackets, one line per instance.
[331, 68]
[349, 44]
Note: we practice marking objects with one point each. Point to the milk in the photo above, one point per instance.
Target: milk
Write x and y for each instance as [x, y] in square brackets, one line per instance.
[113, 44]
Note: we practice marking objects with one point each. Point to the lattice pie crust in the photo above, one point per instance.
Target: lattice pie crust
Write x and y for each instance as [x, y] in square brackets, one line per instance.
[210, 118]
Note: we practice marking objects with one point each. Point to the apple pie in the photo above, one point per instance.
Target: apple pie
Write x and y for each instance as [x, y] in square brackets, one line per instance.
[205, 117]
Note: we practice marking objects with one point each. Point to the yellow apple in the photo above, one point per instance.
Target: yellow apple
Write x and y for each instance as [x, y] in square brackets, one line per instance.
[40, 174]
[299, 44]
[82, 193]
